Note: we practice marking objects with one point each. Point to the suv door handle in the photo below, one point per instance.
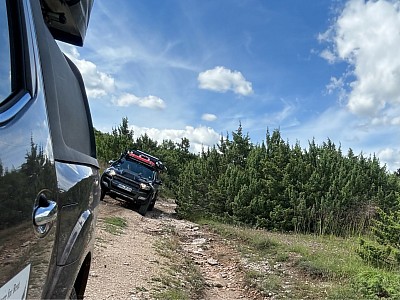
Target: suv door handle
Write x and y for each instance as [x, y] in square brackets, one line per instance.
[44, 214]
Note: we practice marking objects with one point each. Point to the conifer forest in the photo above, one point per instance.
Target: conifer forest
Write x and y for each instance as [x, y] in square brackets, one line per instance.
[274, 185]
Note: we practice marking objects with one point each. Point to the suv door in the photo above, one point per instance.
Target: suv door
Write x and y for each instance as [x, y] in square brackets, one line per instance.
[28, 184]
[74, 153]
[49, 179]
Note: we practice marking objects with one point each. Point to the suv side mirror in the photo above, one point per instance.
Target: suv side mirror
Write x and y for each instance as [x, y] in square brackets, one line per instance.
[158, 181]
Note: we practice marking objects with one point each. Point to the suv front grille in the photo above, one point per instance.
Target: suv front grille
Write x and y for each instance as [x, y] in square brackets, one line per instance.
[126, 181]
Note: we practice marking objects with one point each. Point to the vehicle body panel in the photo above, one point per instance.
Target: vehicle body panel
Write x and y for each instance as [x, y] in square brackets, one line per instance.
[68, 20]
[51, 248]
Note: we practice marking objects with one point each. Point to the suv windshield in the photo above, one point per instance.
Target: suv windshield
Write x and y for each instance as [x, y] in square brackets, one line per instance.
[136, 167]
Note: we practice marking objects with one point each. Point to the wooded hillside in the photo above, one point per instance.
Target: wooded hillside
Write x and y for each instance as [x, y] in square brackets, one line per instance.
[281, 187]
[272, 185]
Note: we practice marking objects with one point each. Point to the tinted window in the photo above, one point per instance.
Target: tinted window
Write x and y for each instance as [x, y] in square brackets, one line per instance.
[5, 58]
[137, 168]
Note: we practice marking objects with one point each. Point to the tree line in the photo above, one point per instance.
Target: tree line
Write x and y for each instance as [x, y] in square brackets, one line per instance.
[272, 185]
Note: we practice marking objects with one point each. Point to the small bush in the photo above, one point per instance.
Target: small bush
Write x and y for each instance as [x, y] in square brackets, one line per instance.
[384, 250]
[375, 285]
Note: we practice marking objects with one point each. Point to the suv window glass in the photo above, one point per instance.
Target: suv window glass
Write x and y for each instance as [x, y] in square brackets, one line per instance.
[137, 168]
[5, 56]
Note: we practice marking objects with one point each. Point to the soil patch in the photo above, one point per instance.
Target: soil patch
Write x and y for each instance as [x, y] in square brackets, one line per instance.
[126, 261]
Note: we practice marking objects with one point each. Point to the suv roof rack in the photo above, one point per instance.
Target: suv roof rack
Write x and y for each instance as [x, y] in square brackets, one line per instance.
[147, 159]
[146, 154]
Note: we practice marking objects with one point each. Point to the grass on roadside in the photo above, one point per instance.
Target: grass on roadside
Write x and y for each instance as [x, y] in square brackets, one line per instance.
[114, 225]
[181, 278]
[316, 267]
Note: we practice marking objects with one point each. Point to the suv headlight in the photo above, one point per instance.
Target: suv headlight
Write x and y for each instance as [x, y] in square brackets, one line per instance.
[144, 186]
[111, 172]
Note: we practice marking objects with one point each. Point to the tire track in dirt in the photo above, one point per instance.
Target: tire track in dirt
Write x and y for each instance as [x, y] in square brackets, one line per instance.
[126, 265]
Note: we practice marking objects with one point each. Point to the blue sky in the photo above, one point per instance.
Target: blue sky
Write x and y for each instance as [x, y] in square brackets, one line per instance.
[195, 69]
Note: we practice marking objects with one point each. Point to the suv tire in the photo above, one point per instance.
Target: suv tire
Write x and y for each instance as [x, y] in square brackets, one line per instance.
[144, 207]
[102, 194]
[153, 202]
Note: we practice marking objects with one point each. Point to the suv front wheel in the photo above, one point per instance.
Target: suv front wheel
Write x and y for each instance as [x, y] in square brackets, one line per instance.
[145, 207]
[153, 202]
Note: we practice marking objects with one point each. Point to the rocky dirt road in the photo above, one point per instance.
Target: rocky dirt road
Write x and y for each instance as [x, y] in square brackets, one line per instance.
[160, 255]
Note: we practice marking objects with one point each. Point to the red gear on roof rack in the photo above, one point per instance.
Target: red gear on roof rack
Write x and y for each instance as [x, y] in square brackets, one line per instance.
[147, 159]
[142, 158]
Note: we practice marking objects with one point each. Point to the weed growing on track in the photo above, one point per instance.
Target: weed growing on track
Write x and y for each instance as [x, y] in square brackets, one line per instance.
[115, 225]
[181, 278]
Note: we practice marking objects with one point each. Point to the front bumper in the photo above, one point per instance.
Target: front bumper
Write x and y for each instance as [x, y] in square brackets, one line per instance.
[123, 189]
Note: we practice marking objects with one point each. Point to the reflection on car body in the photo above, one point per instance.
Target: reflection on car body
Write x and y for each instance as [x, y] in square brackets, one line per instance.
[49, 175]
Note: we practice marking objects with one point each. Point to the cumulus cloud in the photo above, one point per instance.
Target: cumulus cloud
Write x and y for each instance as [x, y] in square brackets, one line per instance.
[391, 157]
[366, 35]
[209, 117]
[222, 80]
[98, 84]
[387, 118]
[199, 137]
[151, 102]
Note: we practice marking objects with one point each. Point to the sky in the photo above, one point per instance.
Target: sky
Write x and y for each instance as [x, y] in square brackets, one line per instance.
[199, 68]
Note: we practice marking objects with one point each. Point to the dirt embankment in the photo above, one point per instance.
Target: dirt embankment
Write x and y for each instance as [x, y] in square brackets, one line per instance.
[139, 261]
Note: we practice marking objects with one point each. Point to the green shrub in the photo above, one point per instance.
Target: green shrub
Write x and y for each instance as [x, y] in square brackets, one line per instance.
[375, 284]
[384, 250]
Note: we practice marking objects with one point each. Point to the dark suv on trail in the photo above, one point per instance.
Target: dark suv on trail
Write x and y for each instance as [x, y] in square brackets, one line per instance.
[49, 175]
[134, 177]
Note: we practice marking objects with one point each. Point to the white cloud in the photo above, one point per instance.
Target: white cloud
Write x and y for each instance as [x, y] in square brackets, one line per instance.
[222, 80]
[199, 137]
[335, 84]
[98, 84]
[151, 102]
[350, 131]
[328, 55]
[366, 35]
[387, 117]
[209, 117]
[390, 157]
